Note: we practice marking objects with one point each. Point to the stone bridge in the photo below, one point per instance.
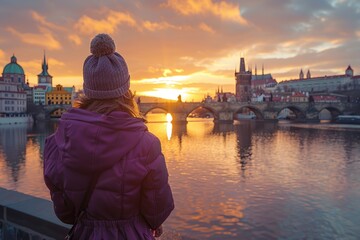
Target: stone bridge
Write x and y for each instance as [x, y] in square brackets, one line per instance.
[226, 111]
[53, 107]
[44, 112]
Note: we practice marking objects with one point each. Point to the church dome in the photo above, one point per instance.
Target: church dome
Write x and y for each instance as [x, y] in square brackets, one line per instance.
[13, 67]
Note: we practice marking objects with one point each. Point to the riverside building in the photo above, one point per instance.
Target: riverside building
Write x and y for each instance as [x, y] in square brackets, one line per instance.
[248, 84]
[45, 94]
[332, 83]
[253, 86]
[13, 97]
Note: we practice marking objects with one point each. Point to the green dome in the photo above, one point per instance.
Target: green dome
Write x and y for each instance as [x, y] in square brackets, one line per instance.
[13, 67]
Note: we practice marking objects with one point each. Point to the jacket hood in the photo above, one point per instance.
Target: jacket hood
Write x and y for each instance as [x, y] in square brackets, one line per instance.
[91, 142]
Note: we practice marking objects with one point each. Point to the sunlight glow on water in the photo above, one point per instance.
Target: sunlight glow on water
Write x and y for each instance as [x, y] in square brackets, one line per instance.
[250, 180]
[169, 117]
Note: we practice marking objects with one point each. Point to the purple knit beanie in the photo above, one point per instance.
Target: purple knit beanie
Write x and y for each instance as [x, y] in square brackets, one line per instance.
[105, 72]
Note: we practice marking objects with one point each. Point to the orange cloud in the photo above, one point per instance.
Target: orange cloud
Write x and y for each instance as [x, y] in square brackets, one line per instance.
[165, 71]
[44, 38]
[75, 39]
[41, 19]
[33, 66]
[206, 28]
[222, 9]
[54, 62]
[87, 25]
[154, 26]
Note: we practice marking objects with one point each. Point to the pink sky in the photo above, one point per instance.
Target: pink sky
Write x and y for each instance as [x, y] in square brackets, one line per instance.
[187, 47]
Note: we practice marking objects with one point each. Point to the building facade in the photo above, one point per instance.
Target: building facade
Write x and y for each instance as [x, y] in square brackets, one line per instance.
[262, 82]
[310, 84]
[60, 95]
[13, 97]
[39, 94]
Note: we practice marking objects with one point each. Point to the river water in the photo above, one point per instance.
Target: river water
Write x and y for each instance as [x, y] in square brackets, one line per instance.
[247, 180]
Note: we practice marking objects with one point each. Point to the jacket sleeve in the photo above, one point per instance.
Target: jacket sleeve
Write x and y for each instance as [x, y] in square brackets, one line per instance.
[157, 200]
[63, 208]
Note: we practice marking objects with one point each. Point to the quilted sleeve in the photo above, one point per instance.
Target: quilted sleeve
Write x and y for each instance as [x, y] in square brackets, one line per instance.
[156, 200]
[63, 208]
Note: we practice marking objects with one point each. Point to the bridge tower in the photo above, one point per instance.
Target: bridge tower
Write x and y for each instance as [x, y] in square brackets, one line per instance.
[243, 83]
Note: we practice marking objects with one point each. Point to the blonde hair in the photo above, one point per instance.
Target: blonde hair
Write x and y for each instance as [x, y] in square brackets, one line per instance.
[125, 103]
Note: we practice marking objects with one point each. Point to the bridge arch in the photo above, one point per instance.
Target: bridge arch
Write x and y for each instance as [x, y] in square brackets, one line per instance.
[153, 108]
[258, 113]
[55, 110]
[333, 111]
[211, 110]
[299, 114]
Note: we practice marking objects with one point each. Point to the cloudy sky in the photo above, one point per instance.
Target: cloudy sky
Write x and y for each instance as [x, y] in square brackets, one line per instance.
[187, 47]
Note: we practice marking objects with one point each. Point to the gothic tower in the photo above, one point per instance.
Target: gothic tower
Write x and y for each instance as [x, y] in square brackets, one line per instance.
[44, 78]
[243, 83]
[301, 74]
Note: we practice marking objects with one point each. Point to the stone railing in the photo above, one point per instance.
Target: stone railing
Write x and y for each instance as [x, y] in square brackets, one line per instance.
[26, 217]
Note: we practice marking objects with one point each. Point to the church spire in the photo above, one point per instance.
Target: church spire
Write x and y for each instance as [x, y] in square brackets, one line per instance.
[301, 75]
[44, 67]
[242, 65]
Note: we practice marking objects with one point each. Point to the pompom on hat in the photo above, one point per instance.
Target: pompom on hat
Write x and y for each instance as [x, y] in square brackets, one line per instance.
[105, 72]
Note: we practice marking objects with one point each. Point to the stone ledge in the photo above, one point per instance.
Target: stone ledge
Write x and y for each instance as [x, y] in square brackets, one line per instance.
[25, 214]
[32, 213]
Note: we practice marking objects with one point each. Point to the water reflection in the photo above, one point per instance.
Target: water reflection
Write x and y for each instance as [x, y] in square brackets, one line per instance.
[21, 148]
[13, 147]
[244, 143]
[169, 130]
[179, 130]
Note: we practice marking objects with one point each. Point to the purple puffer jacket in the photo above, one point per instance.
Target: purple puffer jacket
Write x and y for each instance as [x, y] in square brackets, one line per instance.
[132, 194]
